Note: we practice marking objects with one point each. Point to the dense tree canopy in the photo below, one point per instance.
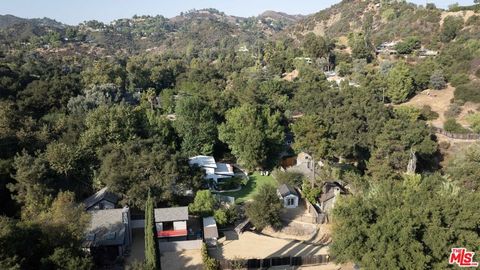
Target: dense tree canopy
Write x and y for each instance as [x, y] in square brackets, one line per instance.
[253, 134]
[406, 224]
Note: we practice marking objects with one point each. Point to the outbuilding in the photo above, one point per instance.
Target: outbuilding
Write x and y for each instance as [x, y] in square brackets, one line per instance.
[288, 195]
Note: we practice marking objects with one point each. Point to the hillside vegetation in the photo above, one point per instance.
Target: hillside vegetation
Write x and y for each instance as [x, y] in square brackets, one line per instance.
[125, 104]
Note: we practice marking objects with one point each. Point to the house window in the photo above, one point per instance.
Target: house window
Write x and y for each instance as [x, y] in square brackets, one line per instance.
[290, 201]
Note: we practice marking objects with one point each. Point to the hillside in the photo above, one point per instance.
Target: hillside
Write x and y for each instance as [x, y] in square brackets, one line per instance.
[389, 21]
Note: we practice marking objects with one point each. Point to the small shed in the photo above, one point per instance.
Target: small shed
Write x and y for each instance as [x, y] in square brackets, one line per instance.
[210, 231]
[288, 195]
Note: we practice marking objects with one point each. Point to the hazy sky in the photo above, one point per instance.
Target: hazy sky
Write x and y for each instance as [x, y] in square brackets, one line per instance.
[75, 11]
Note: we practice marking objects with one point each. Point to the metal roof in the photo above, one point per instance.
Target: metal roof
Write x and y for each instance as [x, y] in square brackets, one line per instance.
[203, 161]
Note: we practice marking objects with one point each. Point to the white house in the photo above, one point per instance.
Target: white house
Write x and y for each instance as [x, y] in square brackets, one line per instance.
[288, 195]
[213, 170]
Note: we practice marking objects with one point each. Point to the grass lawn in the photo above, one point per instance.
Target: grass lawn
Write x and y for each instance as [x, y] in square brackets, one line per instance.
[247, 192]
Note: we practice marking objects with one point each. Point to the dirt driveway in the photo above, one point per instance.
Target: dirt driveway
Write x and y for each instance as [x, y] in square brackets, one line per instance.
[182, 260]
[251, 245]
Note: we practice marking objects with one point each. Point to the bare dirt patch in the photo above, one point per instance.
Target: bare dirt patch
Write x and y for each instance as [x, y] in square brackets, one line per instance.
[291, 76]
[251, 245]
[466, 14]
[438, 100]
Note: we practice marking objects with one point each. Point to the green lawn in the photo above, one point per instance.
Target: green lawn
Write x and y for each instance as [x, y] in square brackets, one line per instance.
[247, 192]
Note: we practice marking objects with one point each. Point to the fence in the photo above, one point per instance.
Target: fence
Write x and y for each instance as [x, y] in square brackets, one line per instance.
[275, 261]
[459, 136]
[179, 245]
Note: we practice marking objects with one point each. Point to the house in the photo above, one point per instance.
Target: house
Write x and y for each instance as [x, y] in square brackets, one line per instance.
[213, 170]
[210, 231]
[331, 191]
[427, 53]
[387, 48]
[171, 223]
[288, 195]
[109, 234]
[103, 199]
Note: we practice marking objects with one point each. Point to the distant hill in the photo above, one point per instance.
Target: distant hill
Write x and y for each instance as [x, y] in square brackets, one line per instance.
[8, 20]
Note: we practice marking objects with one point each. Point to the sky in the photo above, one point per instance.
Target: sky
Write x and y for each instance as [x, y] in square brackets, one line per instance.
[76, 11]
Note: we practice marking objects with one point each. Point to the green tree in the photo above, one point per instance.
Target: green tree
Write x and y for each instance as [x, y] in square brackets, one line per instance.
[393, 146]
[115, 124]
[203, 204]
[196, 125]
[253, 134]
[399, 83]
[311, 136]
[315, 46]
[265, 208]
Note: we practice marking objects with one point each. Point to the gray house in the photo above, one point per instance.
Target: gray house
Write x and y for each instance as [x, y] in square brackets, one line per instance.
[288, 195]
[331, 191]
[109, 234]
[103, 199]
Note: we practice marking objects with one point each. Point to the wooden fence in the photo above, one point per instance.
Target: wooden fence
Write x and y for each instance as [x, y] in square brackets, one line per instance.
[275, 261]
[459, 136]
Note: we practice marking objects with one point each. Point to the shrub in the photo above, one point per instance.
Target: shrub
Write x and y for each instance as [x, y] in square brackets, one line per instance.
[408, 45]
[427, 113]
[451, 26]
[459, 79]
[454, 110]
[220, 217]
[474, 121]
[344, 69]
[451, 125]
[468, 92]
[477, 73]
[209, 263]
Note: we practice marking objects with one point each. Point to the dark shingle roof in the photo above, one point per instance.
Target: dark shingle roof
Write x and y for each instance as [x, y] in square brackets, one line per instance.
[328, 190]
[101, 195]
[171, 214]
[286, 190]
[106, 228]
